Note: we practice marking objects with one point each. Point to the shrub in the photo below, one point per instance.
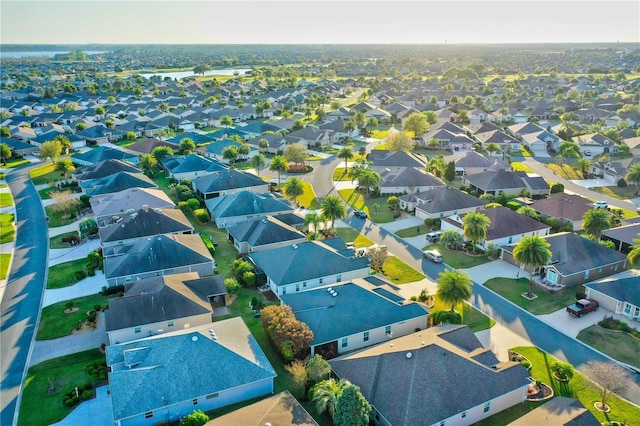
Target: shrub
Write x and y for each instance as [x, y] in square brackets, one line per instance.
[525, 363]
[91, 272]
[182, 205]
[605, 324]
[513, 205]
[69, 402]
[622, 183]
[231, 285]
[445, 317]
[197, 418]
[249, 278]
[286, 349]
[202, 215]
[557, 187]
[183, 192]
[193, 203]
[106, 291]
[79, 275]
[297, 168]
[256, 303]
[88, 394]
[414, 298]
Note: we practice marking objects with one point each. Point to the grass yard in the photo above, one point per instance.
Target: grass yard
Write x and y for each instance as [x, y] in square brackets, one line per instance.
[379, 134]
[519, 167]
[358, 201]
[58, 218]
[399, 272]
[308, 198]
[351, 235]
[472, 317]
[545, 303]
[7, 230]
[5, 259]
[340, 174]
[457, 259]
[62, 275]
[41, 407]
[509, 415]
[225, 252]
[13, 163]
[616, 192]
[162, 181]
[44, 174]
[45, 194]
[413, 231]
[55, 323]
[566, 171]
[579, 387]
[6, 199]
[617, 344]
[381, 147]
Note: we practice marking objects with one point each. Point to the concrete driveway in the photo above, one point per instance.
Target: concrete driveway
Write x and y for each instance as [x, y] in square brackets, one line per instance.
[571, 326]
[95, 412]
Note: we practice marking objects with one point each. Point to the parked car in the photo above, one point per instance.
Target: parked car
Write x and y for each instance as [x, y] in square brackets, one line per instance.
[433, 255]
[434, 236]
[360, 214]
[582, 307]
[587, 153]
[600, 205]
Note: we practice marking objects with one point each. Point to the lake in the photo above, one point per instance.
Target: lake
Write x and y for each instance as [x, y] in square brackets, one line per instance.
[182, 74]
[40, 53]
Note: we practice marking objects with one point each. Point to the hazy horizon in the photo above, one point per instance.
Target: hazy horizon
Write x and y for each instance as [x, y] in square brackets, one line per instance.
[437, 22]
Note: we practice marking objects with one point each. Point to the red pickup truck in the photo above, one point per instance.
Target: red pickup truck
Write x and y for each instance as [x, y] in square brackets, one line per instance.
[582, 307]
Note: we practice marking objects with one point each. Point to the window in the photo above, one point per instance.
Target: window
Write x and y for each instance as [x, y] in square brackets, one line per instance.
[339, 278]
[148, 414]
[137, 330]
[170, 324]
[387, 330]
[320, 280]
[487, 407]
[284, 290]
[627, 308]
[195, 401]
[586, 274]
[212, 395]
[297, 287]
[345, 342]
[365, 336]
[304, 284]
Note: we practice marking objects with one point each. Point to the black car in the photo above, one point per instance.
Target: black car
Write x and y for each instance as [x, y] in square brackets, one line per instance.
[360, 214]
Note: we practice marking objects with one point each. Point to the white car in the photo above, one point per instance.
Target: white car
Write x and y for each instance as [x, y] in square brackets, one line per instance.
[600, 205]
[433, 255]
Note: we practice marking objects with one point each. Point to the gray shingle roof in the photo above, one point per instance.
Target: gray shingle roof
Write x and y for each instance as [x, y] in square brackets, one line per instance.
[104, 168]
[191, 163]
[132, 198]
[506, 222]
[561, 205]
[494, 180]
[118, 182]
[623, 289]
[407, 176]
[180, 366]
[626, 233]
[356, 308]
[264, 231]
[144, 223]
[225, 180]
[293, 264]
[446, 199]
[247, 203]
[409, 390]
[383, 158]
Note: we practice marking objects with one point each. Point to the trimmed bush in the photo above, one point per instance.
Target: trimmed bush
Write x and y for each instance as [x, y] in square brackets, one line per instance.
[88, 394]
[557, 187]
[182, 205]
[202, 215]
[298, 168]
[513, 205]
[445, 317]
[622, 183]
[79, 275]
[249, 278]
[106, 291]
[193, 203]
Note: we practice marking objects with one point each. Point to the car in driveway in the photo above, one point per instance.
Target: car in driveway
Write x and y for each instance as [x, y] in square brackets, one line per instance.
[433, 255]
[360, 214]
[600, 205]
[434, 236]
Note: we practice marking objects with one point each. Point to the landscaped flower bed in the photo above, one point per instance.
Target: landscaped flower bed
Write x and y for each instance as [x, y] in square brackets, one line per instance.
[616, 325]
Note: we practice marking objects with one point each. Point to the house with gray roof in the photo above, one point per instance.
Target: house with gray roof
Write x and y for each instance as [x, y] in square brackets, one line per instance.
[535, 137]
[190, 166]
[102, 169]
[163, 304]
[308, 265]
[472, 162]
[129, 226]
[261, 234]
[440, 202]
[156, 256]
[311, 136]
[277, 143]
[623, 236]
[384, 158]
[353, 315]
[574, 260]
[102, 153]
[595, 144]
[128, 201]
[228, 181]
[507, 226]
[613, 171]
[568, 208]
[115, 183]
[147, 145]
[505, 182]
[242, 206]
[619, 294]
[406, 180]
[415, 379]
[165, 377]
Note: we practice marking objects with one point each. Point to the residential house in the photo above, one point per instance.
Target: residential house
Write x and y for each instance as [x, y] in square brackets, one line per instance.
[277, 143]
[126, 227]
[505, 182]
[441, 202]
[281, 410]
[147, 145]
[156, 256]
[450, 137]
[415, 379]
[131, 199]
[613, 171]
[620, 294]
[116, 183]
[190, 166]
[97, 134]
[594, 144]
[310, 137]
[535, 137]
[309, 265]
[575, 260]
[160, 305]
[264, 233]
[385, 158]
[353, 315]
[227, 182]
[18, 147]
[103, 169]
[102, 153]
[623, 236]
[406, 180]
[507, 226]
[232, 209]
[338, 130]
[472, 162]
[568, 208]
[155, 379]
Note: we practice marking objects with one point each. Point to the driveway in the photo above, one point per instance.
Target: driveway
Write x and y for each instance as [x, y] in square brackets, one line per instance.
[20, 307]
[95, 412]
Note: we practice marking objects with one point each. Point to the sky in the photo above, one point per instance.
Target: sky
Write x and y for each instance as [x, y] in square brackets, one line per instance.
[317, 21]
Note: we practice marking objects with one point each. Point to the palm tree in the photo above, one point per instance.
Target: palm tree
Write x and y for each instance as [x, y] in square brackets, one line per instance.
[372, 123]
[230, 153]
[244, 150]
[633, 175]
[312, 219]
[226, 121]
[533, 252]
[595, 221]
[65, 167]
[326, 394]
[333, 208]
[437, 166]
[346, 154]
[147, 163]
[454, 287]
[349, 126]
[451, 239]
[293, 188]
[634, 254]
[475, 227]
[492, 148]
[263, 144]
[368, 179]
[279, 164]
[583, 165]
[258, 161]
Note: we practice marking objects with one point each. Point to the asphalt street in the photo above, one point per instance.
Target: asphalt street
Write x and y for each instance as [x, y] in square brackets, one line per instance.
[20, 307]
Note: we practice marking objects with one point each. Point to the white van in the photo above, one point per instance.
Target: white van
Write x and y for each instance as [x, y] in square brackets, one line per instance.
[434, 236]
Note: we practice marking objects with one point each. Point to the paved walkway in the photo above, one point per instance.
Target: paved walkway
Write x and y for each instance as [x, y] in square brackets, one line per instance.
[85, 287]
[95, 412]
[47, 349]
[57, 256]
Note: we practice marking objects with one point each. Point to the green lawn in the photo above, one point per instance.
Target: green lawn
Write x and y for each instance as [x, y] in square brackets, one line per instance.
[399, 272]
[225, 252]
[351, 235]
[7, 230]
[45, 194]
[61, 275]
[472, 317]
[44, 174]
[616, 192]
[6, 199]
[40, 407]
[55, 323]
[545, 303]
[379, 134]
[509, 415]
[58, 218]
[579, 387]
[5, 258]
[413, 231]
[457, 259]
[308, 198]
[13, 163]
[519, 167]
[617, 344]
[358, 201]
[56, 242]
[339, 174]
[566, 171]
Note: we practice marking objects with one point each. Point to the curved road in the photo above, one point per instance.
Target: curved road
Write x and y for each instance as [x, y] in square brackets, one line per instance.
[20, 307]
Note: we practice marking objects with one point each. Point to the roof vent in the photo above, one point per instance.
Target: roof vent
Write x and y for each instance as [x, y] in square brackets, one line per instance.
[423, 343]
[409, 355]
[194, 338]
[295, 246]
